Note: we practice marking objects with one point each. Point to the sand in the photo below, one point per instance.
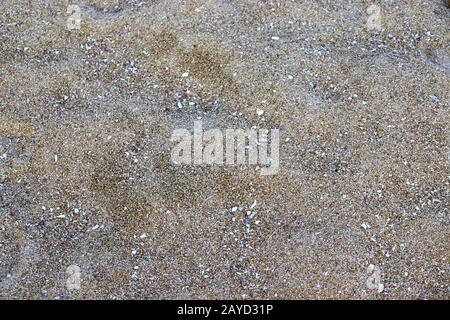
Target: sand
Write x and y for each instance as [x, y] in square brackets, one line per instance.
[91, 206]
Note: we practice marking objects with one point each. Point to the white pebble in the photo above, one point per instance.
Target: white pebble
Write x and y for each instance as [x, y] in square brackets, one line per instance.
[365, 226]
